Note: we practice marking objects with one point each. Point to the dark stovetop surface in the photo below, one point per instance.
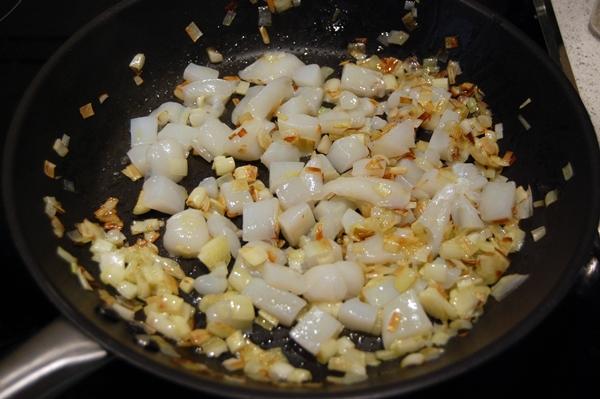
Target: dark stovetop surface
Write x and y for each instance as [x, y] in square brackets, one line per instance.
[560, 354]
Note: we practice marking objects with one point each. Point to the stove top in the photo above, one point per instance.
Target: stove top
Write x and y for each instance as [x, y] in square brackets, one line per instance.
[556, 356]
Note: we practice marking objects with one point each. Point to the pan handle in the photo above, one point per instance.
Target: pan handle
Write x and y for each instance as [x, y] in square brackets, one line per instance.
[589, 276]
[48, 362]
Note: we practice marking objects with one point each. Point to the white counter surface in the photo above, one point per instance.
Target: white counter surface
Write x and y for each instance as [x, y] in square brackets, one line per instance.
[583, 50]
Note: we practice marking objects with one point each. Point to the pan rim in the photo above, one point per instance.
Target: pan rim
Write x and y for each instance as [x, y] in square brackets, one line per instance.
[203, 383]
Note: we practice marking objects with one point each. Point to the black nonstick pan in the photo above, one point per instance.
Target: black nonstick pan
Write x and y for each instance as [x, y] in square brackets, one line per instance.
[503, 62]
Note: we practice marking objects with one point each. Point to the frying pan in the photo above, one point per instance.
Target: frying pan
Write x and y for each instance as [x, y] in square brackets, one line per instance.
[501, 60]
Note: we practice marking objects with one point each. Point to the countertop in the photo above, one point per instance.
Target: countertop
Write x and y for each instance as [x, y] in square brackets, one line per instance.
[583, 50]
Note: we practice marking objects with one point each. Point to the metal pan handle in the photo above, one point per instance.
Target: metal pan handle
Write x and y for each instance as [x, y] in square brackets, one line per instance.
[589, 277]
[48, 362]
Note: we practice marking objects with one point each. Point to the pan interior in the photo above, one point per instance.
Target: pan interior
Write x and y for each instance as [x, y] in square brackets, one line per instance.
[507, 67]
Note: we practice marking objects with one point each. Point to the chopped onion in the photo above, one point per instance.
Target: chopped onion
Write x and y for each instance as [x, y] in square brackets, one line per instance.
[229, 16]
[538, 233]
[264, 35]
[507, 284]
[137, 79]
[567, 171]
[450, 42]
[86, 111]
[193, 31]
[49, 169]
[213, 55]
[524, 122]
[137, 63]
[397, 37]
[551, 197]
[525, 103]
[102, 98]
[60, 147]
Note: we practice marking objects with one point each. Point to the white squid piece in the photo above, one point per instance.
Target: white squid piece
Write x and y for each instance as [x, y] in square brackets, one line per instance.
[236, 194]
[211, 139]
[282, 171]
[174, 112]
[296, 222]
[333, 282]
[182, 133]
[465, 216]
[335, 122]
[164, 195]
[362, 81]
[380, 192]
[242, 107]
[300, 125]
[195, 72]
[143, 130]
[264, 104]
[308, 75]
[284, 278]
[167, 158]
[243, 143]
[219, 225]
[213, 89]
[357, 315]
[347, 150]
[315, 328]
[280, 151]
[371, 251]
[313, 96]
[260, 220]
[436, 215]
[137, 156]
[284, 305]
[396, 142]
[293, 106]
[271, 66]
[186, 232]
[403, 317]
[497, 201]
